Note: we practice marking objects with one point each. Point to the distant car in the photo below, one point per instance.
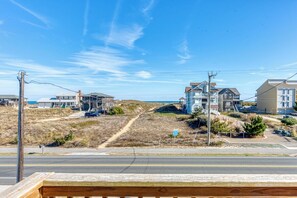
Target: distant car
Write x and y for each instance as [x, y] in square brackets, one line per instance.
[277, 131]
[294, 114]
[93, 113]
[286, 133]
[287, 116]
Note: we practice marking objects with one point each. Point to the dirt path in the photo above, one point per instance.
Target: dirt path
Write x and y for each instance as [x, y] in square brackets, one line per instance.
[271, 119]
[122, 131]
[72, 116]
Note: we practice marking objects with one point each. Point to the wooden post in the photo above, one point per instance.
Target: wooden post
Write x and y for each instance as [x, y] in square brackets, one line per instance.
[20, 165]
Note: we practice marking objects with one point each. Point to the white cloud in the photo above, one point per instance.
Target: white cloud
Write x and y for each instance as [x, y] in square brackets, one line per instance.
[39, 17]
[219, 80]
[144, 74]
[86, 15]
[104, 59]
[28, 65]
[289, 65]
[123, 36]
[147, 9]
[184, 53]
[151, 81]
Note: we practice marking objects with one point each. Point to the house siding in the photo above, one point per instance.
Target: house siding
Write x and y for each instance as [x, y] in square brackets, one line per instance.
[279, 100]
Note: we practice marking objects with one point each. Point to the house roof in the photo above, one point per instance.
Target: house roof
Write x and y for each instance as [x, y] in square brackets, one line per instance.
[98, 95]
[275, 82]
[187, 89]
[234, 90]
[182, 98]
[9, 97]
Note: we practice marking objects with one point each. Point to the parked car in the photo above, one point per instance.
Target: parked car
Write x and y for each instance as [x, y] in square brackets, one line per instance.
[92, 113]
[282, 132]
[294, 114]
[277, 131]
[286, 133]
[287, 116]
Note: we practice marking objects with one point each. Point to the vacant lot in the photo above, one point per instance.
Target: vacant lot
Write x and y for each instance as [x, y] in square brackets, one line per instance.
[84, 132]
[155, 129]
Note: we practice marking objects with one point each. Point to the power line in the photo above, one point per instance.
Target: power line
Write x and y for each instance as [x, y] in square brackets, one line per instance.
[52, 84]
[270, 88]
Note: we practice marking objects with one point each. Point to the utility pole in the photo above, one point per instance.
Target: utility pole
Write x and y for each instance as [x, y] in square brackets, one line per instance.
[20, 165]
[210, 76]
[79, 100]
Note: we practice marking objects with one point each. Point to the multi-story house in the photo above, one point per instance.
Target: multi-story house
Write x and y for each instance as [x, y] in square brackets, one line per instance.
[90, 101]
[229, 99]
[9, 100]
[62, 100]
[277, 96]
[197, 97]
[99, 101]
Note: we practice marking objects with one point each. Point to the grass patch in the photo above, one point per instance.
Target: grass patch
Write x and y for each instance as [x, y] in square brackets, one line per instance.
[84, 124]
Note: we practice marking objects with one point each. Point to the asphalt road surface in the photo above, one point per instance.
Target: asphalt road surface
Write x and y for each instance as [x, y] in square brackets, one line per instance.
[147, 165]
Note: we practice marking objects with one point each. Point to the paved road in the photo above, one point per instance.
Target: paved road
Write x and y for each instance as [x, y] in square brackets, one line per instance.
[148, 165]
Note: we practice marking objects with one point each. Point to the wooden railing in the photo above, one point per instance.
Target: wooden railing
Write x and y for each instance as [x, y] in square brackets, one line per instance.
[152, 185]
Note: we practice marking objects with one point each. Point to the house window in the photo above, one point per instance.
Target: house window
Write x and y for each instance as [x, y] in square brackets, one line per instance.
[288, 91]
[284, 91]
[288, 104]
[283, 98]
[283, 104]
[288, 98]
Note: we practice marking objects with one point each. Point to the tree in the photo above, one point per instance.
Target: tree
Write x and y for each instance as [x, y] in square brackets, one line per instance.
[197, 112]
[219, 127]
[295, 106]
[256, 127]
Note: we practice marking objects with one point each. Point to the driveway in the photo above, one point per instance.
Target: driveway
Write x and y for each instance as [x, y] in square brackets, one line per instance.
[269, 138]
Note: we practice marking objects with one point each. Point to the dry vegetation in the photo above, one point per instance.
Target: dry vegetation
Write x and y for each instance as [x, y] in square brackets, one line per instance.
[133, 107]
[86, 132]
[155, 129]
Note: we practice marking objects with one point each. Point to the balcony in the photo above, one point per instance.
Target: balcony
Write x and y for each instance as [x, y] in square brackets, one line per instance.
[152, 185]
[231, 97]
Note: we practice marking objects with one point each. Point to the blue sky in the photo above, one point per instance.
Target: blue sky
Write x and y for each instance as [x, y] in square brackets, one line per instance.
[145, 49]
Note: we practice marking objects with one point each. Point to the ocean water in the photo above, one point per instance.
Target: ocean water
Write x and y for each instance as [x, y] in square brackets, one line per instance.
[32, 102]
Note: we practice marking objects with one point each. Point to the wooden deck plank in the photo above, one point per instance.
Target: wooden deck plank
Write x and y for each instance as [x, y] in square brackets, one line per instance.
[172, 180]
[168, 191]
[26, 187]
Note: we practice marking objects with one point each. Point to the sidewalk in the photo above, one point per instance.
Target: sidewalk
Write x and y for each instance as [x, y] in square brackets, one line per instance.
[229, 150]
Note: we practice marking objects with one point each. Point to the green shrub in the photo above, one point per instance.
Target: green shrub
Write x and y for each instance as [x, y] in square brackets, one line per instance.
[256, 127]
[218, 126]
[197, 112]
[289, 121]
[197, 122]
[62, 140]
[69, 137]
[59, 141]
[116, 111]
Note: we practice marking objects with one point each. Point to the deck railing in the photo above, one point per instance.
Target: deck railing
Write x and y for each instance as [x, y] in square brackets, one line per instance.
[152, 185]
